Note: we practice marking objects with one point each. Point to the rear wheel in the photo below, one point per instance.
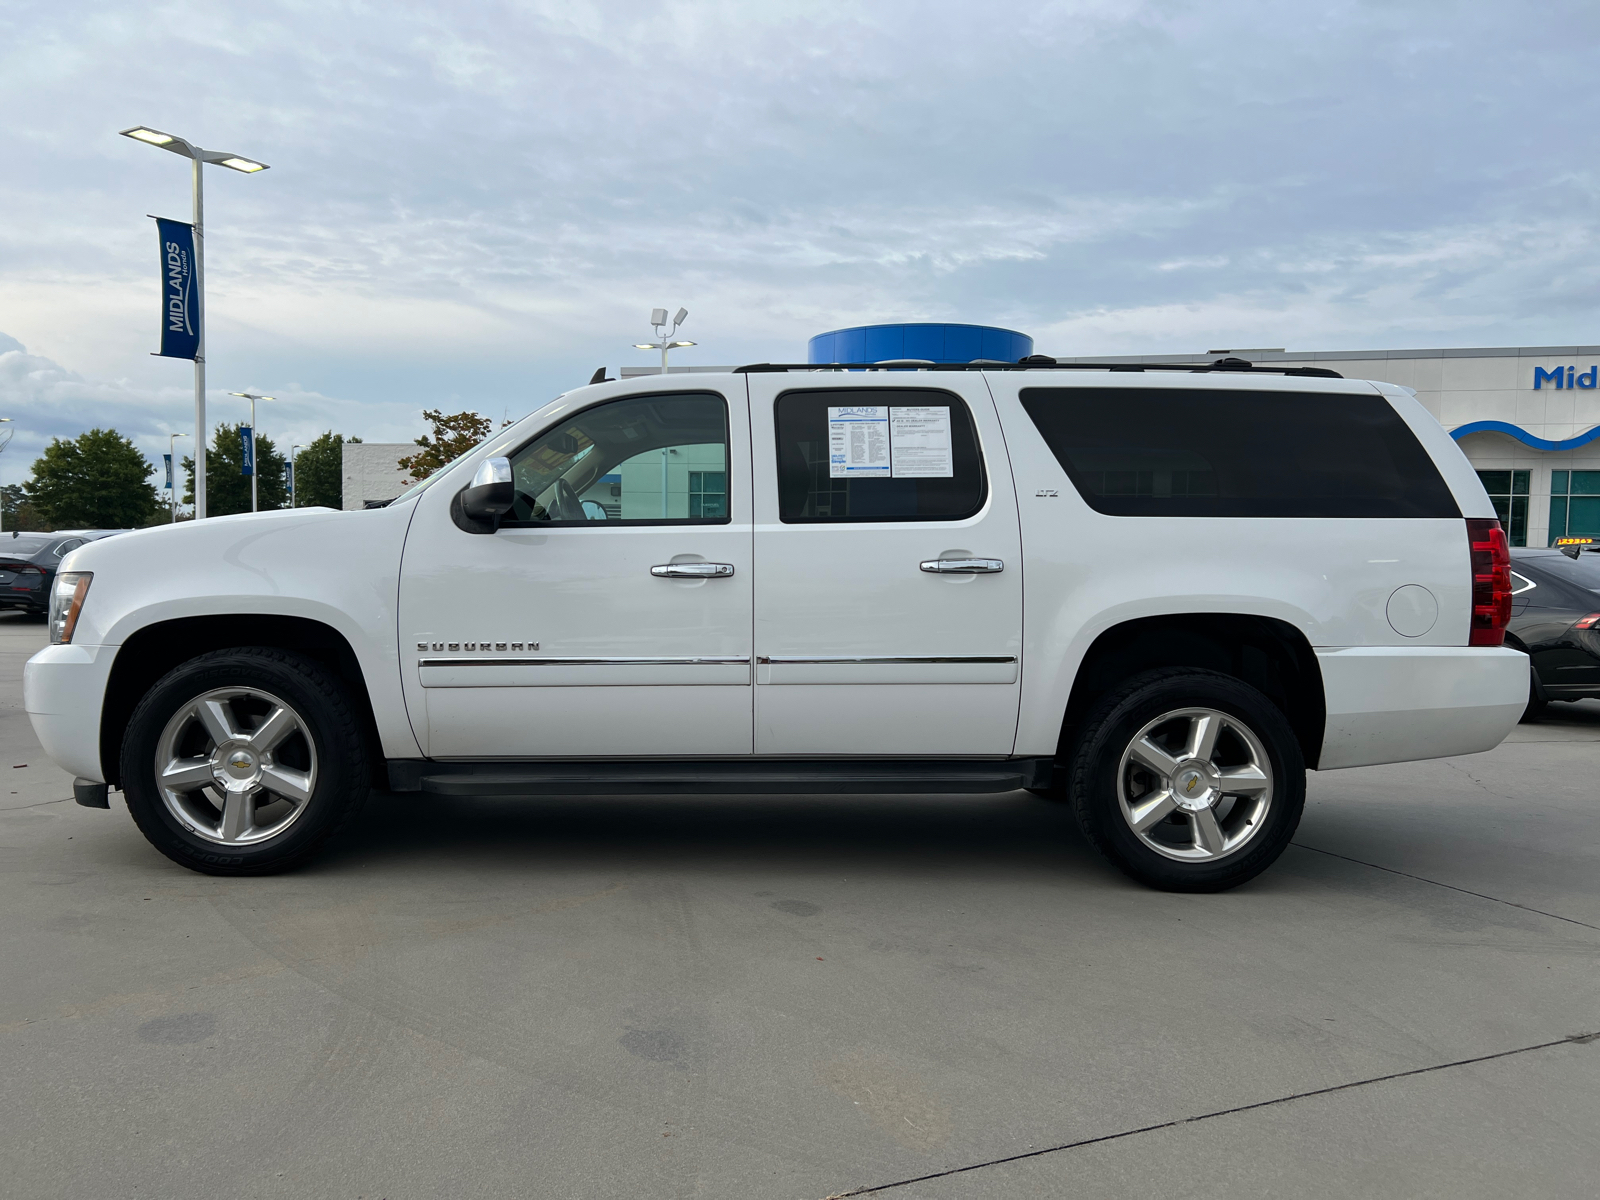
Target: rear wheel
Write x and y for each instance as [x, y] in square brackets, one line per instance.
[1188, 780]
[244, 762]
[1537, 706]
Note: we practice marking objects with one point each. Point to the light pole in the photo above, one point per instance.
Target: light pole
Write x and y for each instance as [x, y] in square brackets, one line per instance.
[663, 342]
[172, 457]
[255, 443]
[198, 157]
[5, 440]
[293, 459]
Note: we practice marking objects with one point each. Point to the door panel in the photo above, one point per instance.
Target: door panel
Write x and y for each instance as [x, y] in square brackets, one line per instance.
[863, 645]
[553, 637]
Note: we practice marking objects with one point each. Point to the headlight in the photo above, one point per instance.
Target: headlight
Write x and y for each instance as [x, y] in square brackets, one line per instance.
[66, 602]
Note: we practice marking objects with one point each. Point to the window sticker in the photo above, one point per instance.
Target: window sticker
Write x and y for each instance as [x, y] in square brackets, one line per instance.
[919, 443]
[858, 442]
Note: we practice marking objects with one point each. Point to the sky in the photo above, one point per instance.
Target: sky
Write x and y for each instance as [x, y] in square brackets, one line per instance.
[473, 206]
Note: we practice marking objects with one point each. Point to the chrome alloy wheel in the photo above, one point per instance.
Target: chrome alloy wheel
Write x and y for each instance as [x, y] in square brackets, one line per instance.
[236, 766]
[1195, 784]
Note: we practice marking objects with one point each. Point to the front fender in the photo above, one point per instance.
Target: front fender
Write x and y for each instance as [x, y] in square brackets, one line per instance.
[340, 569]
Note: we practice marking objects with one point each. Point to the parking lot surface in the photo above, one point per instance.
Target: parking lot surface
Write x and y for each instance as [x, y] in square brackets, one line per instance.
[930, 997]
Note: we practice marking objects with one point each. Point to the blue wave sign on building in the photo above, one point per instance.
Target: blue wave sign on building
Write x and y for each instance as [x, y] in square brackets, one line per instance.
[180, 299]
[927, 340]
[247, 450]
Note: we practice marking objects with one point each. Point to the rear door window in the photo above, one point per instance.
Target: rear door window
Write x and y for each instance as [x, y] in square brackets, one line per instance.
[876, 454]
[1192, 452]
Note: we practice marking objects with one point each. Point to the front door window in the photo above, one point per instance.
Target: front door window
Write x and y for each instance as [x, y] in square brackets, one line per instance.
[647, 460]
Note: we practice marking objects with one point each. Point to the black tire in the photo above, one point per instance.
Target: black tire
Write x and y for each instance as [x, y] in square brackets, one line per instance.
[1537, 708]
[330, 722]
[1109, 732]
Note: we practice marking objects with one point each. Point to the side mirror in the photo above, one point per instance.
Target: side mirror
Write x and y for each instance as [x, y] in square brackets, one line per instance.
[490, 494]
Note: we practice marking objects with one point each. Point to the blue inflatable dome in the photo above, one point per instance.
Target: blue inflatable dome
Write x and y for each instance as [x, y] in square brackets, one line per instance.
[927, 340]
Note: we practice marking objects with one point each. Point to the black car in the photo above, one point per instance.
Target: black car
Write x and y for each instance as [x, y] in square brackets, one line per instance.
[28, 564]
[1555, 620]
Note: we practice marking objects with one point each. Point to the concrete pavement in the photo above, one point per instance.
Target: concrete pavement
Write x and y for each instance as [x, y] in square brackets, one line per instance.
[796, 997]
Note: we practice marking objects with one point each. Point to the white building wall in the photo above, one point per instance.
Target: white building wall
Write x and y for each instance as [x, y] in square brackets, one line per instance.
[372, 471]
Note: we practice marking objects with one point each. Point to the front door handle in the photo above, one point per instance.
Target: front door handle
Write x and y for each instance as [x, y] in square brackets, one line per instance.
[963, 566]
[692, 570]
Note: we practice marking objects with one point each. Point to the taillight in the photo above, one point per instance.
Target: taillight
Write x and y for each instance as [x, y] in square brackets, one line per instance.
[1491, 581]
[1588, 622]
[27, 579]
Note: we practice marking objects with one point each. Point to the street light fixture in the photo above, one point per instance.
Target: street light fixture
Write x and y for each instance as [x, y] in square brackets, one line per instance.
[172, 452]
[255, 447]
[663, 342]
[199, 157]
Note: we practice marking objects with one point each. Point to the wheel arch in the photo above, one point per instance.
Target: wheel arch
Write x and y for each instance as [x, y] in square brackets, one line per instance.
[1270, 655]
[150, 652]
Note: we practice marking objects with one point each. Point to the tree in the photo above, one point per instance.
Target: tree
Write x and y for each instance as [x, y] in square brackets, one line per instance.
[98, 480]
[319, 472]
[227, 487]
[452, 437]
[18, 510]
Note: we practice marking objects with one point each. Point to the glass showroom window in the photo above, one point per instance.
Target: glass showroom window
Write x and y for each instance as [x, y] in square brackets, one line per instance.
[1574, 503]
[1508, 492]
[708, 493]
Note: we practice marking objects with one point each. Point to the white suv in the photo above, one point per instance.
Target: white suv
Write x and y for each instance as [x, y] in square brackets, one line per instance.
[1159, 594]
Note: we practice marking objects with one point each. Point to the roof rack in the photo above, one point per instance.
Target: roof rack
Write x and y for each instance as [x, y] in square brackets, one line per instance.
[1041, 362]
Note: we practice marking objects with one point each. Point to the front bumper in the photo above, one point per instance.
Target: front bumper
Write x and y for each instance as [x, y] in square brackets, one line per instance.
[1399, 703]
[63, 690]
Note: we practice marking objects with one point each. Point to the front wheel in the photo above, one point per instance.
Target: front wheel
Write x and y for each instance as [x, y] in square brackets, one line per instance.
[1188, 780]
[244, 762]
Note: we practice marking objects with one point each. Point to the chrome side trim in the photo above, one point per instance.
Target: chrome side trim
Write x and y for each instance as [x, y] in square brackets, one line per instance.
[873, 659]
[707, 661]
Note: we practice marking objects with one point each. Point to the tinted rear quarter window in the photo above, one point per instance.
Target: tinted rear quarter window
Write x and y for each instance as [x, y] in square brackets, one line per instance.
[1202, 452]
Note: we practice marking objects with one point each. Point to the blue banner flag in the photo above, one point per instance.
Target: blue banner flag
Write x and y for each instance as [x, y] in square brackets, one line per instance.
[288, 476]
[180, 299]
[247, 450]
[168, 457]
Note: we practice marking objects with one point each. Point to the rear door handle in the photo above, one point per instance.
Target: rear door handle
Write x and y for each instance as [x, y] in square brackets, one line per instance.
[692, 570]
[964, 566]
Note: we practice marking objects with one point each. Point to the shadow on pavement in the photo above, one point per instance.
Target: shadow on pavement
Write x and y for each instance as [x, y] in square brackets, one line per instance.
[973, 835]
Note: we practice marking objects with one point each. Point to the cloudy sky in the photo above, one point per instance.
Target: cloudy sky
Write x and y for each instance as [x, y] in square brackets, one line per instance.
[473, 206]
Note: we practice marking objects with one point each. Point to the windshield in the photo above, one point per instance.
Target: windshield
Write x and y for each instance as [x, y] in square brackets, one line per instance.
[421, 485]
[417, 487]
[24, 544]
[1584, 571]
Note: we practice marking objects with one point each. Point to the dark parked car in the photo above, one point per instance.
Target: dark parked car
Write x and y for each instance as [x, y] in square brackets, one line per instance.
[1555, 620]
[28, 564]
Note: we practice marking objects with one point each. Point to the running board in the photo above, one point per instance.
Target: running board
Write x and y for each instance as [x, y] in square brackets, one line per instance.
[681, 777]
